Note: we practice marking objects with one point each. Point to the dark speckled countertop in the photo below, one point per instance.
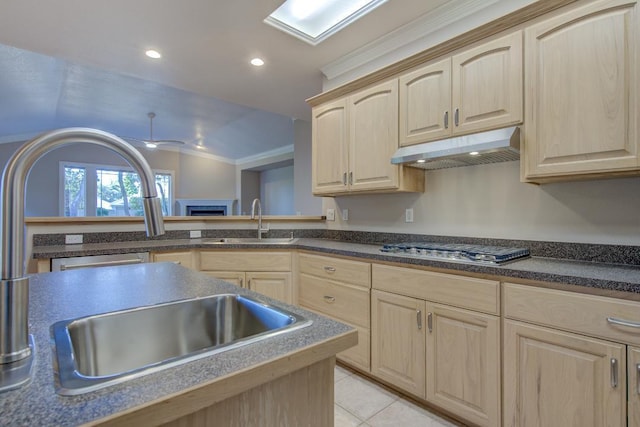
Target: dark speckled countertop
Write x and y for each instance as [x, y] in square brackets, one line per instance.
[594, 275]
[64, 295]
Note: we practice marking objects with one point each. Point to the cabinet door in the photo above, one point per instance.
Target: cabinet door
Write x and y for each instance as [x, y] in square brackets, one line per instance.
[398, 341]
[554, 378]
[425, 104]
[633, 376]
[581, 74]
[330, 147]
[274, 285]
[235, 277]
[463, 363]
[373, 130]
[487, 85]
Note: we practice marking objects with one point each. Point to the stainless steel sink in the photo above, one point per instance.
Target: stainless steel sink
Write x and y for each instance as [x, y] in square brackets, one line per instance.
[251, 240]
[98, 351]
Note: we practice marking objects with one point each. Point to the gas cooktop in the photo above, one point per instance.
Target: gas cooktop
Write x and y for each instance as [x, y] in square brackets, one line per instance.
[474, 254]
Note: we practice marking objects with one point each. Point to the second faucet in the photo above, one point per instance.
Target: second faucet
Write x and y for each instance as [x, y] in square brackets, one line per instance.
[256, 202]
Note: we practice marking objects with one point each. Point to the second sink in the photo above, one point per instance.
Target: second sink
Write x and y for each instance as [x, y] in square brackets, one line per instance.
[251, 240]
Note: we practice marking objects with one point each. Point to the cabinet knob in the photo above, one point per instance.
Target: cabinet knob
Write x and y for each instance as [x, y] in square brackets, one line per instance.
[329, 269]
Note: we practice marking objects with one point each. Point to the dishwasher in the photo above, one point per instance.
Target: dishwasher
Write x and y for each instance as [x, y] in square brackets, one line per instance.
[74, 263]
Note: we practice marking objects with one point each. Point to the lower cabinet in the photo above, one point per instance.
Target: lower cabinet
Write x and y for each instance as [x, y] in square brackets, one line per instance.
[555, 378]
[570, 359]
[463, 363]
[447, 355]
[183, 258]
[339, 288]
[266, 272]
[398, 341]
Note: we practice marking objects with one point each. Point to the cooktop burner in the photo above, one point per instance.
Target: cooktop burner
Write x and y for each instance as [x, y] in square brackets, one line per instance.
[475, 254]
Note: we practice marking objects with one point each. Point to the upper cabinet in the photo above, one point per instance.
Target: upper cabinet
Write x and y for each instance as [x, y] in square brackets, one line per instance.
[581, 75]
[353, 141]
[476, 90]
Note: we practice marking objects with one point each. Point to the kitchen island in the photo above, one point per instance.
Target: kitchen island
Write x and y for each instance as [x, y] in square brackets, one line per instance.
[285, 379]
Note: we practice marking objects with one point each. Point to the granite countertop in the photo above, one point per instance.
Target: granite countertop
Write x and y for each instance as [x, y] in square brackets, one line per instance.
[64, 295]
[595, 275]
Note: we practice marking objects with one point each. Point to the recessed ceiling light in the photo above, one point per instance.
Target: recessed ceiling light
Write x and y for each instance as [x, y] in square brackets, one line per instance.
[150, 144]
[153, 54]
[314, 21]
[258, 62]
[473, 153]
[421, 161]
[201, 147]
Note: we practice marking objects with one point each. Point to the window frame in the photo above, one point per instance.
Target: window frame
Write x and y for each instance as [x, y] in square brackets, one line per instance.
[91, 185]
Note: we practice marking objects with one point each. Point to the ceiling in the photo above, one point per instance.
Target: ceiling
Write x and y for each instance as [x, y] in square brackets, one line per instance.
[82, 63]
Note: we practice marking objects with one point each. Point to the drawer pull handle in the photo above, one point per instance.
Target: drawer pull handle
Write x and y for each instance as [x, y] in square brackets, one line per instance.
[430, 322]
[456, 117]
[329, 299]
[623, 322]
[330, 269]
[419, 318]
[638, 378]
[344, 178]
[614, 372]
[446, 120]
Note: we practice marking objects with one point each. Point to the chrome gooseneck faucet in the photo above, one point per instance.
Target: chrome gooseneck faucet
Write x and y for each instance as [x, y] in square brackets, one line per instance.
[16, 345]
[256, 202]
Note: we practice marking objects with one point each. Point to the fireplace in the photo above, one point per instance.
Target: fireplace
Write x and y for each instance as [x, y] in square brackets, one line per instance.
[204, 207]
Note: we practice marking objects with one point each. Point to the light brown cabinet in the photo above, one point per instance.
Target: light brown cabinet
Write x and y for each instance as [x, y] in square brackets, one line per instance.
[476, 90]
[559, 378]
[266, 272]
[581, 75]
[398, 341]
[437, 336]
[183, 258]
[463, 363]
[353, 140]
[341, 289]
[574, 361]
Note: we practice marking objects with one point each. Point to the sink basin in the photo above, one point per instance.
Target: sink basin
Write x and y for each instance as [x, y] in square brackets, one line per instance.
[97, 351]
[251, 240]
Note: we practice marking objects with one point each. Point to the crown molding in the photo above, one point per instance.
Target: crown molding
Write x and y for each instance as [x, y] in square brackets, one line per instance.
[287, 149]
[419, 28]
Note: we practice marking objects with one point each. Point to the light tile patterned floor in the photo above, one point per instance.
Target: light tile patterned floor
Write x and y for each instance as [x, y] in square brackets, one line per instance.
[362, 403]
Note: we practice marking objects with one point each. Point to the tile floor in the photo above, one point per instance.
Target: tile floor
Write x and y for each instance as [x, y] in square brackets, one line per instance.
[362, 403]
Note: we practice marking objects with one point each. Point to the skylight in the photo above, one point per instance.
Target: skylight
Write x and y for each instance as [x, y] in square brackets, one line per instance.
[315, 20]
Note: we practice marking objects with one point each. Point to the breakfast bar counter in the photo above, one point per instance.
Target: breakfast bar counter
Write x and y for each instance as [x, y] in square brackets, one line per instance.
[281, 371]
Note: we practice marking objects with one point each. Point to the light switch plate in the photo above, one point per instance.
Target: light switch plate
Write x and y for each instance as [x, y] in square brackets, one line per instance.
[73, 239]
[195, 234]
[331, 215]
[408, 215]
[345, 214]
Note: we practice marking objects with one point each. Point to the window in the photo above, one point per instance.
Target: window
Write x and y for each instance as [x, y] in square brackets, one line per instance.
[97, 190]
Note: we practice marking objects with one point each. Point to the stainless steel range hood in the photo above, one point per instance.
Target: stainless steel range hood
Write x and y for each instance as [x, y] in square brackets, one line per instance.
[500, 145]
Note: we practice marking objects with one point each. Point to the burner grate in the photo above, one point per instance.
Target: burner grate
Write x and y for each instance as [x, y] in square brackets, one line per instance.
[457, 252]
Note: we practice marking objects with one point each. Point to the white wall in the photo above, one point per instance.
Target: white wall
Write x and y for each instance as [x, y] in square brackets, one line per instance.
[490, 201]
[304, 202]
[276, 191]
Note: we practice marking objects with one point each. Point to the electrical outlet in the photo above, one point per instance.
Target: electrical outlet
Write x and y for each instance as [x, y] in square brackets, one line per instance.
[331, 215]
[73, 239]
[345, 214]
[195, 234]
[408, 215]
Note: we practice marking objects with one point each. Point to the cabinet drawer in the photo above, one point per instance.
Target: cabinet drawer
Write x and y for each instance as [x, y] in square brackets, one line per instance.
[572, 311]
[341, 270]
[245, 261]
[460, 291]
[343, 302]
[181, 258]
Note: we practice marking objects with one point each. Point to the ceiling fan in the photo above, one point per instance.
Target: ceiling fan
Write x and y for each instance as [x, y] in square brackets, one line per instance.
[153, 143]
